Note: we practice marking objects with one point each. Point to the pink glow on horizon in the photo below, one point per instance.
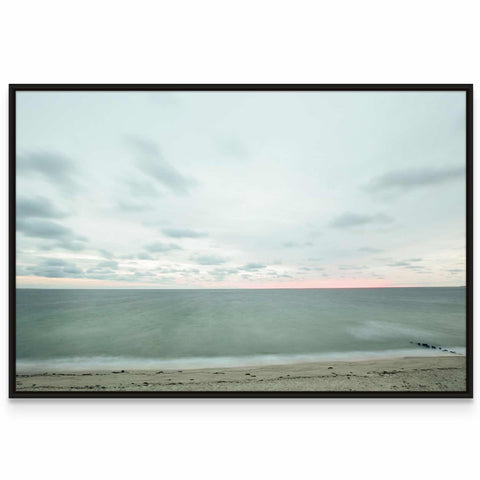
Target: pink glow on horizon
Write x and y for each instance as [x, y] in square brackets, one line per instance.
[93, 283]
[324, 283]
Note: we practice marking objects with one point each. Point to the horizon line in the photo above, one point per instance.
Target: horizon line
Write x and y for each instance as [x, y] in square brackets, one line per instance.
[220, 288]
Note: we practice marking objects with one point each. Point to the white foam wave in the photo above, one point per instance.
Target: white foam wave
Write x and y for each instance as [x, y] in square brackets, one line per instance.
[131, 363]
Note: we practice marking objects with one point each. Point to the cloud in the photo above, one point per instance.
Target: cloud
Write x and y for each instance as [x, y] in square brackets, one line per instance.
[63, 237]
[162, 247]
[43, 229]
[182, 233]
[369, 250]
[128, 206]
[253, 267]
[138, 188]
[415, 178]
[54, 268]
[126, 257]
[349, 220]
[209, 260]
[144, 256]
[290, 244]
[225, 271]
[101, 273]
[54, 262]
[54, 167]
[72, 245]
[351, 267]
[106, 254]
[151, 162]
[108, 264]
[221, 273]
[406, 264]
[37, 207]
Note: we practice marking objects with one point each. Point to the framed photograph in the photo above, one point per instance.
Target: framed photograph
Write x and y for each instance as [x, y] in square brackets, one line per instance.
[241, 241]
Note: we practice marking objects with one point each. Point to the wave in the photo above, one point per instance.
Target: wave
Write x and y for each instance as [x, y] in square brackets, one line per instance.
[103, 363]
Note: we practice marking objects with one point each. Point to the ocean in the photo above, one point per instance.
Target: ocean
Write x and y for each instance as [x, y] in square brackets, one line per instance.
[144, 329]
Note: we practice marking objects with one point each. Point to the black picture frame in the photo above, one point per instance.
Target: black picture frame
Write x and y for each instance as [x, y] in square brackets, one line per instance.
[467, 88]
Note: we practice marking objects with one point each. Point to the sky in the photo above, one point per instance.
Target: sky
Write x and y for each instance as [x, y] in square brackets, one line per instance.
[240, 189]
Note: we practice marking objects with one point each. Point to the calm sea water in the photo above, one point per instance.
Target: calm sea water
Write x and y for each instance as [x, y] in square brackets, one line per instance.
[80, 329]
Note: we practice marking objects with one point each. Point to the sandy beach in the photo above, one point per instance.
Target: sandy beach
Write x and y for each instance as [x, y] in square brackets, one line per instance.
[414, 374]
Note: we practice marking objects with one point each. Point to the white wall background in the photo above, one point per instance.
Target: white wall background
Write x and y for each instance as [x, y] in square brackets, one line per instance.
[244, 41]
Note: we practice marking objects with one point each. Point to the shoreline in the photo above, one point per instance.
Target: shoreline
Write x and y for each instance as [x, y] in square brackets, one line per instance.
[102, 363]
[441, 373]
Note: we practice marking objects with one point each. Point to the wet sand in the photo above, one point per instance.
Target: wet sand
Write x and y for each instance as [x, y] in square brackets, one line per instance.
[414, 374]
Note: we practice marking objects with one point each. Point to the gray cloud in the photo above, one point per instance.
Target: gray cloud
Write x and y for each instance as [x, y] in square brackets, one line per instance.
[225, 270]
[253, 267]
[209, 260]
[454, 271]
[126, 257]
[151, 162]
[54, 167]
[72, 245]
[144, 256]
[221, 273]
[415, 178]
[43, 229]
[349, 219]
[55, 262]
[127, 206]
[369, 250]
[351, 267]
[108, 264]
[398, 264]
[37, 207]
[106, 254]
[159, 247]
[54, 268]
[144, 275]
[139, 188]
[101, 273]
[182, 233]
[63, 237]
